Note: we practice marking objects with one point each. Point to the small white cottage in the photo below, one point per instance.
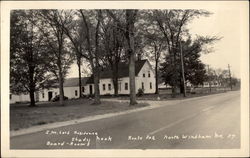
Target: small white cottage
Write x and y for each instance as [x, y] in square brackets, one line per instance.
[212, 84]
[24, 97]
[145, 79]
[70, 87]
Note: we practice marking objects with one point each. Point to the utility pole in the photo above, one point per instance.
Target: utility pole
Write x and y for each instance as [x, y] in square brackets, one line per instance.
[230, 78]
[183, 72]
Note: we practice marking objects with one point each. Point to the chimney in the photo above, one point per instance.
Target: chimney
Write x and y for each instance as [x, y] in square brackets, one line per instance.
[139, 56]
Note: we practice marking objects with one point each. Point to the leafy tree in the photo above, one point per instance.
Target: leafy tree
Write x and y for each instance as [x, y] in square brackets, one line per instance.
[75, 32]
[222, 77]
[235, 82]
[50, 24]
[91, 26]
[173, 25]
[195, 71]
[210, 77]
[127, 24]
[28, 59]
[113, 41]
[154, 45]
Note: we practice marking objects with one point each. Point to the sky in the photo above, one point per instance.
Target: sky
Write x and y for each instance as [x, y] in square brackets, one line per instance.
[223, 23]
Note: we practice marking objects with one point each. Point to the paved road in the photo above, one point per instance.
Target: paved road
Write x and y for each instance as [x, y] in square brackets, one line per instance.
[199, 123]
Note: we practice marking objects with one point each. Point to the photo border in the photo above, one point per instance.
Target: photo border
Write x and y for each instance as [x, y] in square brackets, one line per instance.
[241, 6]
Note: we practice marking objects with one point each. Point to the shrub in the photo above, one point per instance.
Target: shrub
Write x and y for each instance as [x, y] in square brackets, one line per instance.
[84, 96]
[107, 95]
[140, 92]
[90, 96]
[41, 123]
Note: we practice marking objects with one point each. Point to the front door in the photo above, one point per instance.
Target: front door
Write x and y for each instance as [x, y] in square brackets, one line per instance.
[50, 95]
[90, 89]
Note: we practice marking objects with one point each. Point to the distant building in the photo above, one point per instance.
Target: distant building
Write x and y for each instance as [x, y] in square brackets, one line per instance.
[163, 85]
[212, 84]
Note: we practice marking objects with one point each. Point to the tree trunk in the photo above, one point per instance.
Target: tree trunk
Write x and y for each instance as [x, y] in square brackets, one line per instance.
[156, 78]
[210, 88]
[115, 83]
[132, 79]
[130, 28]
[31, 84]
[80, 78]
[173, 91]
[115, 79]
[61, 86]
[96, 62]
[96, 86]
[59, 64]
[175, 75]
[181, 87]
[32, 98]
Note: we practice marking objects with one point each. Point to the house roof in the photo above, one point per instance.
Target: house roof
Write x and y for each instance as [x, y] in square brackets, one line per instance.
[123, 70]
[74, 82]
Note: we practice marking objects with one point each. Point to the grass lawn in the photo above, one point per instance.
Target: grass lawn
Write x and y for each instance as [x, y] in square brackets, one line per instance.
[22, 116]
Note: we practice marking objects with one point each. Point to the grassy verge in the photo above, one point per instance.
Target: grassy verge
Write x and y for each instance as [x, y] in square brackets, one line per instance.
[167, 95]
[22, 116]
[171, 97]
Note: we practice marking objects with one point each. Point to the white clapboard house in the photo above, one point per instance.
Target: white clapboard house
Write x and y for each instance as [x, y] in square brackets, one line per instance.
[70, 87]
[212, 84]
[24, 97]
[144, 79]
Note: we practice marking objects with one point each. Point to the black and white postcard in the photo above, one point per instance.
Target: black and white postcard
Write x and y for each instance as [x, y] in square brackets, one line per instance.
[124, 78]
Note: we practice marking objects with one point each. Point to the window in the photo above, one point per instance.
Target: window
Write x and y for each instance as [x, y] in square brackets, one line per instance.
[143, 74]
[109, 87]
[142, 85]
[10, 96]
[75, 92]
[43, 95]
[83, 89]
[103, 87]
[148, 73]
[150, 85]
[126, 86]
